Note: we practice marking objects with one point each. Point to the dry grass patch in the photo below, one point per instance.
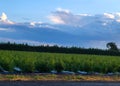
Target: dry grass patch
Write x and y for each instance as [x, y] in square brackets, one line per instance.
[52, 77]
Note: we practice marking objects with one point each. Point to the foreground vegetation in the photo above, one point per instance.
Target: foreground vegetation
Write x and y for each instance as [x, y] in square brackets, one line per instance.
[30, 62]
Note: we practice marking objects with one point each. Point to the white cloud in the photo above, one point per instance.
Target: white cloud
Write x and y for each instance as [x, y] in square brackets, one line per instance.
[63, 10]
[36, 23]
[84, 15]
[118, 14]
[60, 16]
[63, 16]
[56, 19]
[4, 19]
[108, 15]
[7, 29]
[32, 23]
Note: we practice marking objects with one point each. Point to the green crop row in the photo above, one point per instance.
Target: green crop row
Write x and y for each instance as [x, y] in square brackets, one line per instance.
[45, 62]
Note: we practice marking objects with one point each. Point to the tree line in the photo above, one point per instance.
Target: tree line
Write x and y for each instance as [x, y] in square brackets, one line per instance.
[112, 49]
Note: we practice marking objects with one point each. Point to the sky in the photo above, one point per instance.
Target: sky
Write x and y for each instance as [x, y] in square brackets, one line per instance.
[39, 10]
[88, 22]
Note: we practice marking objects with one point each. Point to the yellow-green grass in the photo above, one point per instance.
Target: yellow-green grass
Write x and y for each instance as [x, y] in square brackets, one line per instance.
[52, 77]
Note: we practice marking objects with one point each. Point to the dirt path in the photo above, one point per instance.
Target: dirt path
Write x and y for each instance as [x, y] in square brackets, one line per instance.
[55, 83]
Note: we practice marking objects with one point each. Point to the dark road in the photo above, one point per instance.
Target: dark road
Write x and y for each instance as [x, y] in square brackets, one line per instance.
[57, 83]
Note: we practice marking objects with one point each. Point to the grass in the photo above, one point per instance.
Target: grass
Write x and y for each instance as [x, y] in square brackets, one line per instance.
[49, 77]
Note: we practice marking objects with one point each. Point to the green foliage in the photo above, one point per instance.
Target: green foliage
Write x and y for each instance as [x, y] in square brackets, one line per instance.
[113, 50]
[45, 62]
[59, 65]
[112, 46]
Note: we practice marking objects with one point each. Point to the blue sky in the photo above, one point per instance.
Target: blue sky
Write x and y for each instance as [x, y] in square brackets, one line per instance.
[38, 10]
[62, 15]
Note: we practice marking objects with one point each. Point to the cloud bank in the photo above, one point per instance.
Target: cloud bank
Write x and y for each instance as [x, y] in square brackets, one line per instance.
[67, 28]
[63, 16]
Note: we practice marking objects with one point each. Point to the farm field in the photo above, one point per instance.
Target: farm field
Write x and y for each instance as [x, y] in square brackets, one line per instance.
[30, 62]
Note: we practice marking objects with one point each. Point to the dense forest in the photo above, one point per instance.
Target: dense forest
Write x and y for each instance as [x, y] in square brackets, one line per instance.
[57, 49]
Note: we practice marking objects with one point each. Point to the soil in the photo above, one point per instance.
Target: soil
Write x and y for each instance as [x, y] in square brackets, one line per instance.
[56, 83]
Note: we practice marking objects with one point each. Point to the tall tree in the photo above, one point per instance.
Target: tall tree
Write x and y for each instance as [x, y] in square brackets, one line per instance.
[112, 46]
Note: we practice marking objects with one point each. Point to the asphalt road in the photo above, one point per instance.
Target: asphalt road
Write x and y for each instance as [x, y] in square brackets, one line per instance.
[56, 83]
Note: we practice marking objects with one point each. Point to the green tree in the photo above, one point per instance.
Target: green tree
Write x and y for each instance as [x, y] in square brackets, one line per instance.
[112, 46]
